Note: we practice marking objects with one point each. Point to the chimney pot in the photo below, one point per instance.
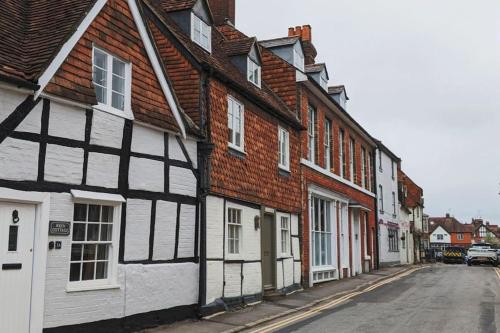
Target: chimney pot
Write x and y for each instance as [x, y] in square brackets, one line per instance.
[305, 33]
[447, 215]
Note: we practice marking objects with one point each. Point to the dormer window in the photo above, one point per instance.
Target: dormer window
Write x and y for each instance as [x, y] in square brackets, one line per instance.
[324, 81]
[112, 81]
[253, 70]
[298, 60]
[201, 33]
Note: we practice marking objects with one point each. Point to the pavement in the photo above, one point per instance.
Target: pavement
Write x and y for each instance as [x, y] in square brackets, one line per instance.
[260, 314]
[437, 298]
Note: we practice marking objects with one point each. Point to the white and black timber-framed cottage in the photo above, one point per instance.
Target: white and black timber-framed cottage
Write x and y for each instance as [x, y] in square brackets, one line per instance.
[98, 173]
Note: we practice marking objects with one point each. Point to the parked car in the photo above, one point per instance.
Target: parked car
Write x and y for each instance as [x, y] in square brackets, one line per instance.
[482, 254]
[454, 254]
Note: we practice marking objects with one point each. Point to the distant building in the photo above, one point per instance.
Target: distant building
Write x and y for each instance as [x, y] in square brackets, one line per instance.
[448, 231]
[484, 232]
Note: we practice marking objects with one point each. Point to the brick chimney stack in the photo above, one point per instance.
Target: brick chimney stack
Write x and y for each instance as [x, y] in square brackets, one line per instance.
[305, 33]
[223, 10]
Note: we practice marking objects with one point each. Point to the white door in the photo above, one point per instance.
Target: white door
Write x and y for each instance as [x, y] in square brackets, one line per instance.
[356, 244]
[17, 225]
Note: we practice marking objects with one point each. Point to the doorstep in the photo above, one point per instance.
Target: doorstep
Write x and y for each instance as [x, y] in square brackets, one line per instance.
[279, 305]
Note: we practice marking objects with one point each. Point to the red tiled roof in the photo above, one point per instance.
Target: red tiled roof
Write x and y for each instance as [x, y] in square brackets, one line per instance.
[415, 192]
[238, 46]
[450, 224]
[32, 33]
[175, 5]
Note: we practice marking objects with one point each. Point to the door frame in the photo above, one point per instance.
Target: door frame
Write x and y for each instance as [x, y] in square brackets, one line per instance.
[42, 208]
[271, 213]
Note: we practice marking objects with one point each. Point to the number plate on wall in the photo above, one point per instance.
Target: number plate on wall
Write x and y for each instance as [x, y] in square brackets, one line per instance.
[57, 228]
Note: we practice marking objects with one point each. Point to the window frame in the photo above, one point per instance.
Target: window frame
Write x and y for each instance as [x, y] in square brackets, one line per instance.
[127, 103]
[253, 66]
[311, 133]
[460, 236]
[440, 237]
[285, 236]
[352, 160]
[286, 154]
[394, 240]
[196, 20]
[393, 169]
[328, 144]
[324, 228]
[239, 228]
[111, 282]
[381, 198]
[394, 204]
[342, 153]
[364, 175]
[381, 169]
[232, 144]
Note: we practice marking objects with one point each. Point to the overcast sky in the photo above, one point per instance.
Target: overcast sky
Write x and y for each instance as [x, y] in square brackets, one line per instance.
[423, 76]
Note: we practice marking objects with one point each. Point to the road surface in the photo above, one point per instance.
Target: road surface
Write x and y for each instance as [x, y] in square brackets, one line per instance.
[441, 298]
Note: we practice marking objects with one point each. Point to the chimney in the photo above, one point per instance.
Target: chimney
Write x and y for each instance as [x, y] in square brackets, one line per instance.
[223, 10]
[305, 33]
[447, 215]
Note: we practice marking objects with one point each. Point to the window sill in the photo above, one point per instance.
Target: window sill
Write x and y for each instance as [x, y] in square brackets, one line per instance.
[75, 289]
[284, 172]
[285, 256]
[237, 152]
[127, 114]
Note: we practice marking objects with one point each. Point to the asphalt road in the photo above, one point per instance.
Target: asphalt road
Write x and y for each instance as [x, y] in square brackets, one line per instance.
[443, 298]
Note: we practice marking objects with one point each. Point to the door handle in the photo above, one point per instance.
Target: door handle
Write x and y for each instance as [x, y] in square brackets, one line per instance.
[10, 267]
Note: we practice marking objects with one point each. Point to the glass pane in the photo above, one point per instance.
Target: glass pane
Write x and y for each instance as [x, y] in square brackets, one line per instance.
[106, 232]
[118, 84]
[89, 252]
[80, 212]
[100, 59]
[328, 249]
[237, 140]
[13, 229]
[323, 249]
[101, 270]
[102, 252]
[118, 67]
[74, 272]
[88, 271]
[99, 76]
[101, 94]
[92, 232]
[118, 101]
[94, 213]
[78, 231]
[236, 246]
[107, 214]
[317, 249]
[76, 252]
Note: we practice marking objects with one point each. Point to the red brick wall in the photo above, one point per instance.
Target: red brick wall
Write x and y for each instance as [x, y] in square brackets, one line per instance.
[114, 30]
[467, 241]
[254, 177]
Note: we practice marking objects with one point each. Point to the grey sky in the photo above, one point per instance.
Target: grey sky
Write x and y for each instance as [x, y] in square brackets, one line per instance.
[423, 76]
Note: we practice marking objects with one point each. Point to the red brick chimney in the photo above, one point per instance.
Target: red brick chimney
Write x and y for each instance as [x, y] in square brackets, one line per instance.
[223, 10]
[305, 33]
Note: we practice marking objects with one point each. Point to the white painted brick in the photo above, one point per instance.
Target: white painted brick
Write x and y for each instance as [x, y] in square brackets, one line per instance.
[157, 287]
[165, 224]
[182, 181]
[146, 140]
[233, 280]
[18, 159]
[215, 227]
[67, 121]
[64, 164]
[187, 232]
[145, 174]
[33, 121]
[137, 229]
[107, 130]
[252, 281]
[215, 280]
[103, 170]
[9, 101]
[297, 273]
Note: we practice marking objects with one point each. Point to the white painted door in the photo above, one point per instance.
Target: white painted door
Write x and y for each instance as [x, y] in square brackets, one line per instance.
[356, 244]
[17, 225]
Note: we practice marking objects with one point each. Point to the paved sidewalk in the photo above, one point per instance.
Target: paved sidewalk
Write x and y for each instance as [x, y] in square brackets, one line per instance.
[244, 318]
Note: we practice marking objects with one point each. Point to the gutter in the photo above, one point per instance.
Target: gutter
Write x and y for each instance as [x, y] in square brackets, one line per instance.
[374, 159]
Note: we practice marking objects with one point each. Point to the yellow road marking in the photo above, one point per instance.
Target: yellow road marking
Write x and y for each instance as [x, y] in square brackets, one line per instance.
[333, 303]
[497, 271]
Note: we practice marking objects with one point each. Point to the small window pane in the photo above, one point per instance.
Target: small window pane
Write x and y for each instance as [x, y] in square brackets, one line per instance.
[92, 232]
[76, 252]
[118, 84]
[100, 76]
[106, 232]
[88, 271]
[13, 230]
[74, 272]
[78, 231]
[102, 252]
[107, 214]
[118, 101]
[80, 213]
[94, 213]
[101, 94]
[118, 67]
[100, 59]
[101, 270]
[89, 252]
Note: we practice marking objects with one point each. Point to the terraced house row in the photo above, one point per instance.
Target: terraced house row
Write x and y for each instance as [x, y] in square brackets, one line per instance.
[156, 163]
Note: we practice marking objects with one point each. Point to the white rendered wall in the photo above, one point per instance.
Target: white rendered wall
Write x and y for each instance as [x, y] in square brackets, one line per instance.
[440, 231]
